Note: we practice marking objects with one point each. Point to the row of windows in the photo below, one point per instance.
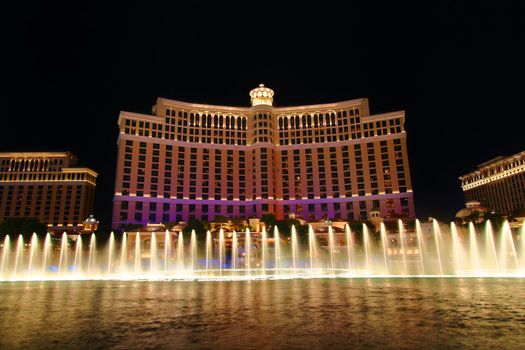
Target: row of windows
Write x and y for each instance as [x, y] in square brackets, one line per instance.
[317, 120]
[47, 176]
[207, 120]
[31, 164]
[195, 127]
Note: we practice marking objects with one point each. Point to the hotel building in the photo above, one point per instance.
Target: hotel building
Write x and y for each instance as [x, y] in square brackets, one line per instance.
[498, 184]
[47, 186]
[318, 161]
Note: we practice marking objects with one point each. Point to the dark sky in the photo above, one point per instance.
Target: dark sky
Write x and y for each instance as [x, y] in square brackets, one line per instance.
[457, 70]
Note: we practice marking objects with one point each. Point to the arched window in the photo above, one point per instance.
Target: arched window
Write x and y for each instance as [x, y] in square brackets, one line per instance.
[221, 120]
[327, 116]
[197, 119]
[286, 123]
[333, 118]
[315, 120]
[309, 121]
[209, 121]
[244, 123]
[297, 122]
[304, 122]
[227, 122]
[215, 120]
[204, 120]
[191, 118]
[292, 123]
[239, 123]
[280, 123]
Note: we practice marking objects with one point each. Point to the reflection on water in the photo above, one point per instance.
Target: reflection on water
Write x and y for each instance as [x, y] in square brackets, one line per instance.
[342, 313]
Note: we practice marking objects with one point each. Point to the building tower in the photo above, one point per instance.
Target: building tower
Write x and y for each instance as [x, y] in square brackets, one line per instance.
[47, 186]
[333, 160]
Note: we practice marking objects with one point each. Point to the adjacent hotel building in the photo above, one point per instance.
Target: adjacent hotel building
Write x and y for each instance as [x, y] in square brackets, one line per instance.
[48, 186]
[498, 184]
[318, 161]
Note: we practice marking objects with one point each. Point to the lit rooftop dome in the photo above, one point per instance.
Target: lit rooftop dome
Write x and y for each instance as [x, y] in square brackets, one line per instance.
[91, 220]
[470, 208]
[262, 96]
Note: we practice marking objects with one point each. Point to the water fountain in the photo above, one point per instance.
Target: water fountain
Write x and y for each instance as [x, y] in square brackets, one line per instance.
[33, 250]
[111, 251]
[6, 251]
[403, 246]
[367, 249]
[295, 250]
[153, 253]
[123, 254]
[331, 248]
[438, 241]
[138, 254]
[208, 252]
[248, 251]
[235, 252]
[384, 242]
[264, 250]
[438, 251]
[349, 245]
[193, 250]
[180, 253]
[420, 243]
[277, 248]
[491, 255]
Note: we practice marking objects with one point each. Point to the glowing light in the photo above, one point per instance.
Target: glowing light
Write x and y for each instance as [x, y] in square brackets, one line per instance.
[262, 96]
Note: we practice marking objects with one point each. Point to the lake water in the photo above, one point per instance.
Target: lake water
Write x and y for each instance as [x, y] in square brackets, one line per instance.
[443, 313]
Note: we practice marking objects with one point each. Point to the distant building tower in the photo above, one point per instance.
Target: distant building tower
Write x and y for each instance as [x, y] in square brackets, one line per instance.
[90, 225]
[498, 183]
[47, 186]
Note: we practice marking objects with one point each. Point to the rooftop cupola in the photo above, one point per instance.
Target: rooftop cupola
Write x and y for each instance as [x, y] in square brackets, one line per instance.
[262, 96]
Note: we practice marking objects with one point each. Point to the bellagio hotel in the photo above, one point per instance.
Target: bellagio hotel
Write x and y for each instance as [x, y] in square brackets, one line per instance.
[332, 160]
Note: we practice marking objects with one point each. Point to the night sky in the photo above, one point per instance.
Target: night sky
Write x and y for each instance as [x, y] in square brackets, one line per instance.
[456, 69]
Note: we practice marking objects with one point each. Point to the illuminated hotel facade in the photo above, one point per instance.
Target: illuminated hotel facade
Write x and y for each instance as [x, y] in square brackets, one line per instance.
[498, 184]
[318, 161]
[47, 186]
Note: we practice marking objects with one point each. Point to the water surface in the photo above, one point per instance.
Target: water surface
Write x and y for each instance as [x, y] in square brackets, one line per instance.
[444, 313]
